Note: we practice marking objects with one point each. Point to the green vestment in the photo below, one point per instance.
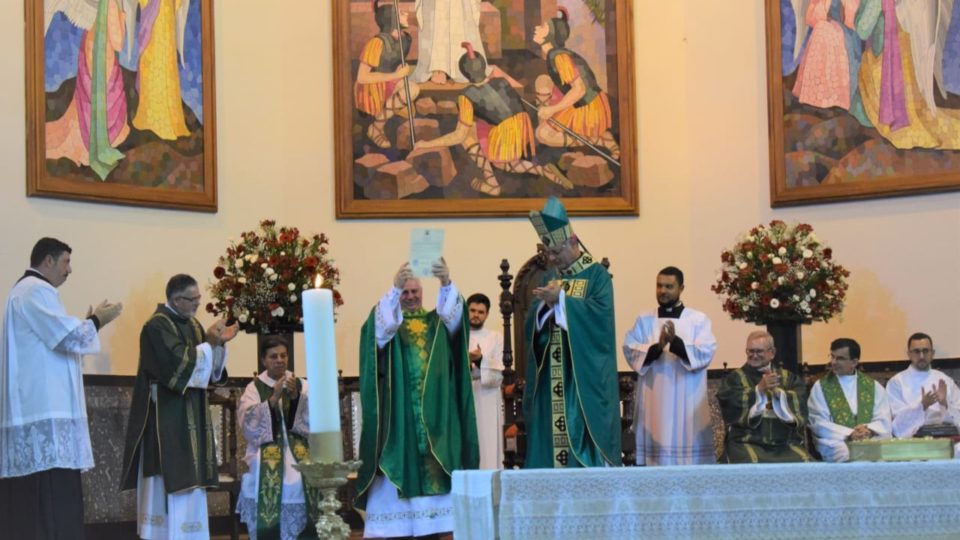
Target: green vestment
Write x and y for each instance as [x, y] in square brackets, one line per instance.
[175, 432]
[837, 403]
[765, 438]
[419, 423]
[571, 401]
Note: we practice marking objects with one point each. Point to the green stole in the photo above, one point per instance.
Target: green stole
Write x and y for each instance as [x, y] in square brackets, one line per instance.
[837, 402]
[270, 493]
[419, 423]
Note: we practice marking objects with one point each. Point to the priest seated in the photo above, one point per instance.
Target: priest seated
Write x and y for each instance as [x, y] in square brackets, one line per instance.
[764, 408]
[924, 401]
[273, 501]
[846, 404]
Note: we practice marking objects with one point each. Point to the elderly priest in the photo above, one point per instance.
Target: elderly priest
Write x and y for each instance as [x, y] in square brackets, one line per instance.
[764, 408]
[571, 401]
[419, 423]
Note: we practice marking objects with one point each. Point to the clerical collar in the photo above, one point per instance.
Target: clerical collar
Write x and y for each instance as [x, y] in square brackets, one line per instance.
[577, 266]
[30, 272]
[672, 312]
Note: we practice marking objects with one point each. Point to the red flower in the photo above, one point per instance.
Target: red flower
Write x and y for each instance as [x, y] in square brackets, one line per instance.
[219, 272]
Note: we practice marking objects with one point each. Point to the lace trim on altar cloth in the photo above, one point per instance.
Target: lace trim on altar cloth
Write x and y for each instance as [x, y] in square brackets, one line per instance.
[293, 518]
[54, 443]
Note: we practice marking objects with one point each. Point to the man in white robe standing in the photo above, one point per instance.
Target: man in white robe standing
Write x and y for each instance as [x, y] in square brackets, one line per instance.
[486, 358]
[922, 398]
[44, 438]
[671, 348]
[444, 25]
[846, 404]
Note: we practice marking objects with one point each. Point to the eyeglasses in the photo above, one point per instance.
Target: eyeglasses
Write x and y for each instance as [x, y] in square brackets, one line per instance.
[751, 352]
[190, 299]
[839, 358]
[919, 352]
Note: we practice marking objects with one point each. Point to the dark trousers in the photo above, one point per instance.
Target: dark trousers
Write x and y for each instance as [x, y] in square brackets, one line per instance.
[47, 505]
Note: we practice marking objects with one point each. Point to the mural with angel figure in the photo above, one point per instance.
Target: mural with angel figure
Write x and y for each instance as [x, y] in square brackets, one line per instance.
[483, 107]
[120, 101]
[864, 98]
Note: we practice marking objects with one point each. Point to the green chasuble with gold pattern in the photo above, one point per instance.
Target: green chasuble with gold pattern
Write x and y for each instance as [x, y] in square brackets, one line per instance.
[175, 432]
[765, 438]
[419, 423]
[571, 401]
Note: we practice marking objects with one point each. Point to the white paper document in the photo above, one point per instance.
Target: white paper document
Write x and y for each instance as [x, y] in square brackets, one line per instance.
[426, 248]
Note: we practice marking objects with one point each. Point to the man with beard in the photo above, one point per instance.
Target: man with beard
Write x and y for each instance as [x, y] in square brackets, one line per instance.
[764, 408]
[671, 349]
[486, 357]
[923, 399]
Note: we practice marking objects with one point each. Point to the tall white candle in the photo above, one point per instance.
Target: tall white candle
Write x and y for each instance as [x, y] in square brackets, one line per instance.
[321, 358]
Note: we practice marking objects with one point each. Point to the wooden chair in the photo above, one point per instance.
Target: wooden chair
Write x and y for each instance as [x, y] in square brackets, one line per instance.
[225, 400]
[516, 299]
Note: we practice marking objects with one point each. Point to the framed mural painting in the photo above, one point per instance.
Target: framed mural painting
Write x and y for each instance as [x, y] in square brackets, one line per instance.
[120, 102]
[863, 98]
[483, 108]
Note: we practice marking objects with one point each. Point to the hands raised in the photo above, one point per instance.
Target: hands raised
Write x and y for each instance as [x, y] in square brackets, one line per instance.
[402, 275]
[105, 312]
[441, 271]
[936, 394]
[549, 294]
[219, 333]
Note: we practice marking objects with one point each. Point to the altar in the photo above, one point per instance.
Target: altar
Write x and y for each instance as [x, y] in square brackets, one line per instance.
[802, 500]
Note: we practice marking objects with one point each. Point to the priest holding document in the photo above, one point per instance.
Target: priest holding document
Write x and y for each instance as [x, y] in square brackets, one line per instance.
[419, 423]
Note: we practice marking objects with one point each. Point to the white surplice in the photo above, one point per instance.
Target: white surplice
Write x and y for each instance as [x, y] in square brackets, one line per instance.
[254, 418]
[672, 414]
[43, 414]
[830, 437]
[905, 392]
[181, 515]
[387, 514]
[487, 396]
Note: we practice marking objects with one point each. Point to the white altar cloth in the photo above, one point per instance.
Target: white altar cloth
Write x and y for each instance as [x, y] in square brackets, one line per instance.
[796, 500]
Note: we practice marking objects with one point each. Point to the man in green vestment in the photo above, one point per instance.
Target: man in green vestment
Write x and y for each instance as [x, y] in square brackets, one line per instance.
[170, 454]
[764, 408]
[571, 401]
[846, 404]
[419, 423]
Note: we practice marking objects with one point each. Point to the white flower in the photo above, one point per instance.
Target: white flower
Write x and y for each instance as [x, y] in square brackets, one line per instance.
[780, 280]
[277, 312]
[272, 277]
[830, 281]
[253, 321]
[291, 287]
[293, 298]
[774, 303]
[807, 254]
[795, 298]
[283, 253]
[800, 275]
[777, 260]
[805, 305]
[242, 318]
[749, 254]
[742, 265]
[782, 251]
[239, 264]
[263, 265]
[754, 285]
[813, 293]
[268, 270]
[252, 257]
[241, 280]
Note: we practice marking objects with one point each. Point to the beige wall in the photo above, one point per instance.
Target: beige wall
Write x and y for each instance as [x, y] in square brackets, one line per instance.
[703, 179]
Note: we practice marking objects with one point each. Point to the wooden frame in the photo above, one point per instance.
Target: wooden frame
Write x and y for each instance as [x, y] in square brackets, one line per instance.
[845, 159]
[354, 25]
[166, 160]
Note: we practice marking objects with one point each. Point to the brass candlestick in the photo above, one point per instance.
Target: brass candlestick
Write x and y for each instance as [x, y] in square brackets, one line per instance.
[326, 471]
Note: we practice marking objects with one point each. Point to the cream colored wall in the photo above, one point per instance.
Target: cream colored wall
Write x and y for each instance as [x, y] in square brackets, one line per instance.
[703, 179]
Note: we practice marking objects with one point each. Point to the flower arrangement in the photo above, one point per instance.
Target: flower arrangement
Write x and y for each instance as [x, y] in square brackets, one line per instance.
[781, 272]
[260, 279]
